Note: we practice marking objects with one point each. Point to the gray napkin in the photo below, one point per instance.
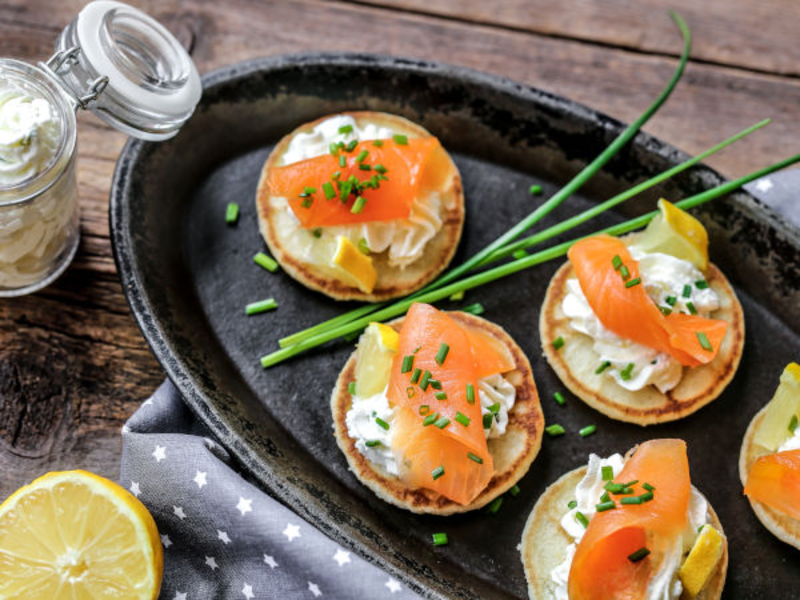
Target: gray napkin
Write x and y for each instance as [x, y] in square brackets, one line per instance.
[222, 536]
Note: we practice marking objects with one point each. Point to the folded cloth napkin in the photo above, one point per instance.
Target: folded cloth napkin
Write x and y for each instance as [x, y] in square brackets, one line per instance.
[222, 536]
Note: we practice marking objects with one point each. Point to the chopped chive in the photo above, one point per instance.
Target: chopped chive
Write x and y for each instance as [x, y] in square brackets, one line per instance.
[351, 388]
[402, 140]
[475, 458]
[430, 419]
[351, 146]
[382, 423]
[614, 488]
[261, 306]
[605, 497]
[342, 160]
[572, 504]
[608, 473]
[379, 168]
[457, 296]
[494, 506]
[633, 282]
[602, 368]
[687, 291]
[372, 443]
[623, 270]
[307, 203]
[410, 391]
[442, 423]
[535, 190]
[519, 254]
[463, 419]
[363, 246]
[435, 384]
[692, 309]
[474, 309]
[648, 487]
[417, 349]
[487, 420]
[232, 213]
[345, 129]
[554, 430]
[424, 409]
[701, 285]
[364, 167]
[617, 262]
[437, 472]
[361, 156]
[267, 262]
[440, 539]
[333, 148]
[703, 339]
[638, 555]
[631, 500]
[559, 398]
[327, 189]
[626, 491]
[646, 497]
[671, 300]
[336, 175]
[494, 408]
[408, 363]
[344, 191]
[358, 205]
[441, 396]
[514, 491]
[793, 424]
[377, 143]
[558, 343]
[317, 233]
[588, 430]
[604, 506]
[631, 483]
[581, 518]
[309, 190]
[665, 310]
[625, 374]
[415, 375]
[441, 355]
[470, 394]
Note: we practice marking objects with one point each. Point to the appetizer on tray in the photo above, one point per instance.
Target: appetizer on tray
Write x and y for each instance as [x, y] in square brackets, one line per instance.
[644, 328]
[769, 463]
[361, 206]
[626, 527]
[437, 412]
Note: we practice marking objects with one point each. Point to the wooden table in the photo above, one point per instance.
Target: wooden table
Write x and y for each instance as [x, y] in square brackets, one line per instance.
[73, 365]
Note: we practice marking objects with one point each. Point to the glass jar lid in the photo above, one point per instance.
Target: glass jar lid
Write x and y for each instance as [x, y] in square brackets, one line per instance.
[128, 69]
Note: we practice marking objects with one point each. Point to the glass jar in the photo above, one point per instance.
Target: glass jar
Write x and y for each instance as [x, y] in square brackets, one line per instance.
[111, 59]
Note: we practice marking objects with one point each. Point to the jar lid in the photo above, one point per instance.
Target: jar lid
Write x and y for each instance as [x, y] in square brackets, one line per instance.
[128, 69]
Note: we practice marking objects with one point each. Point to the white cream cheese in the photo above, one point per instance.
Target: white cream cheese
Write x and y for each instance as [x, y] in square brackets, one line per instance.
[664, 584]
[792, 442]
[664, 277]
[405, 239]
[492, 390]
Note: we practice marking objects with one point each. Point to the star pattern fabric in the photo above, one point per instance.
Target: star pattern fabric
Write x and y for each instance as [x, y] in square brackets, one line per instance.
[222, 536]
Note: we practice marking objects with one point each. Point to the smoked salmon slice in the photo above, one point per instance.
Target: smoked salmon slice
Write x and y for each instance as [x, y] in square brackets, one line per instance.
[630, 313]
[601, 568]
[459, 446]
[402, 172]
[774, 479]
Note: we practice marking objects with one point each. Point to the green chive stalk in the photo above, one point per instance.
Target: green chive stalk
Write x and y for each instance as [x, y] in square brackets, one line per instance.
[542, 211]
[510, 268]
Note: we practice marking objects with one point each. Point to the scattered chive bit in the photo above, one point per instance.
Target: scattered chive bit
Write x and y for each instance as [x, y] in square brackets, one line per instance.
[442, 422]
[424, 409]
[379, 168]
[608, 473]
[372, 443]
[519, 254]
[793, 424]
[358, 205]
[457, 296]
[625, 491]
[638, 555]
[417, 349]
[701, 285]
[623, 270]
[441, 355]
[362, 156]
[572, 504]
[625, 374]
[410, 391]
[351, 146]
[665, 310]
[555, 430]
[381, 423]
[475, 458]
[424, 382]
[437, 472]
[602, 368]
[408, 363]
[307, 202]
[345, 129]
[309, 190]
[687, 291]
[351, 388]
[232, 213]
[631, 483]
[261, 306]
[514, 491]
[646, 497]
[470, 394]
[415, 375]
[633, 282]
[440, 539]
[494, 408]
[487, 420]
[441, 396]
[535, 190]
[342, 160]
[581, 518]
[588, 430]
[430, 419]
[494, 505]
[692, 309]
[614, 488]
[700, 529]
[402, 140]
[363, 246]
[558, 343]
[317, 233]
[605, 497]
[631, 500]
[463, 419]
[377, 143]
[559, 398]
[703, 339]
[435, 384]
[327, 189]
[333, 148]
[267, 262]
[604, 506]
[617, 262]
[671, 300]
[648, 487]
[474, 309]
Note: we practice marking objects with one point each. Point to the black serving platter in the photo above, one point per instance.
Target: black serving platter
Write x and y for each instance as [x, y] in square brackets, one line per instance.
[188, 276]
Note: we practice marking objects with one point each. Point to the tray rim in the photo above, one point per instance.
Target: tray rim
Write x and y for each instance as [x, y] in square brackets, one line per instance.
[253, 462]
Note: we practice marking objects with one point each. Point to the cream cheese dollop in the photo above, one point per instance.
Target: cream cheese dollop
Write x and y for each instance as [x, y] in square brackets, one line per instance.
[664, 277]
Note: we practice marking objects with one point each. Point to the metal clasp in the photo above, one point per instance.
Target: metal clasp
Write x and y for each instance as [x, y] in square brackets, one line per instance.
[61, 62]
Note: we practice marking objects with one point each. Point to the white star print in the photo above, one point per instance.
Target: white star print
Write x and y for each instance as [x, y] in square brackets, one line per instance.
[200, 479]
[247, 590]
[135, 490]
[148, 402]
[180, 596]
[341, 557]
[166, 541]
[160, 453]
[178, 511]
[291, 531]
[244, 506]
[270, 561]
[314, 589]
[211, 562]
[223, 537]
[393, 585]
[764, 185]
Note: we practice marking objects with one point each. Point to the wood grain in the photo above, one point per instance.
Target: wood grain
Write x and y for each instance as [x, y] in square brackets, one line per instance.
[73, 365]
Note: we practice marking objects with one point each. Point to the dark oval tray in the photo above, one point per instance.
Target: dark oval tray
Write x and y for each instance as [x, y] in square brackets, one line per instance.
[188, 276]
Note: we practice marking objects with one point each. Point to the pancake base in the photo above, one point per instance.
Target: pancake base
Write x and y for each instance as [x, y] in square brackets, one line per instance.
[512, 452]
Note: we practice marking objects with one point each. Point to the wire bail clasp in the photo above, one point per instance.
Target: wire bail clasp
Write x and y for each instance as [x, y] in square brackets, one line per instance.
[61, 62]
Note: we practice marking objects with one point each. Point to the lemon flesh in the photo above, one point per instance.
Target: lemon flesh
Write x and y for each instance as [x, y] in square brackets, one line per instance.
[677, 233]
[76, 536]
[785, 404]
[702, 560]
[356, 267]
[376, 351]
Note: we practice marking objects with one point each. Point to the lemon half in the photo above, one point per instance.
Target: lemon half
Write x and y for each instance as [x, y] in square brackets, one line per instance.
[355, 266]
[376, 351]
[677, 233]
[702, 560]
